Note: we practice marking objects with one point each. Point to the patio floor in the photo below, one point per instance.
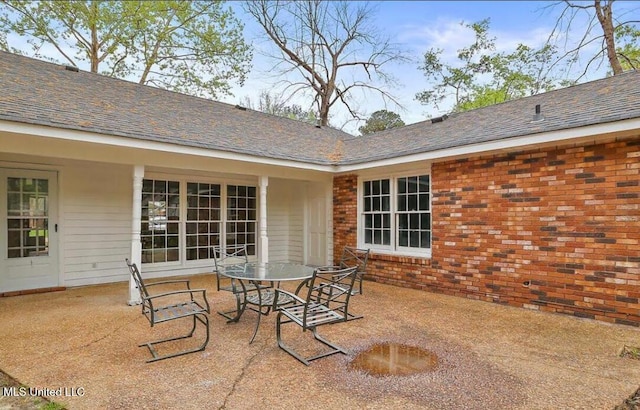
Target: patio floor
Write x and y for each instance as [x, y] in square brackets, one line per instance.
[85, 340]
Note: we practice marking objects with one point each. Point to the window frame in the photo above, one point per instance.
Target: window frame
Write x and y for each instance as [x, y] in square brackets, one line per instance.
[183, 180]
[394, 247]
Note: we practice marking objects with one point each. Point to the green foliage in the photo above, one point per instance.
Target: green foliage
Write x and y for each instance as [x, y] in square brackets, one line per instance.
[484, 77]
[52, 406]
[629, 51]
[381, 120]
[457, 80]
[186, 46]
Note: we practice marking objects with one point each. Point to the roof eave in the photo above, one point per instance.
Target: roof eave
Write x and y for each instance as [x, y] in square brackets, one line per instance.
[127, 142]
[590, 132]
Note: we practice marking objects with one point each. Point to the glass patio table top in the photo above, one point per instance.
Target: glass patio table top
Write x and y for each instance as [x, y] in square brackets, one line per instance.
[272, 271]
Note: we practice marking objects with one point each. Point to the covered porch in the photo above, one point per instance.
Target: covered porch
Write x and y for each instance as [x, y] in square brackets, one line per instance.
[161, 206]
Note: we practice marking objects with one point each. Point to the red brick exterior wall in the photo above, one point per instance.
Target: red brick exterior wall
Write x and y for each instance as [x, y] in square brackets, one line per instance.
[550, 229]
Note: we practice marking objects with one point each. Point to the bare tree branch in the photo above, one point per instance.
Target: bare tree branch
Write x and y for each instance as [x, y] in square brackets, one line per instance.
[327, 43]
[600, 14]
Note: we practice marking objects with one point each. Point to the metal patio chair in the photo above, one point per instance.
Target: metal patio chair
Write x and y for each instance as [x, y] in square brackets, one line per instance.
[355, 257]
[232, 254]
[325, 303]
[172, 305]
[358, 258]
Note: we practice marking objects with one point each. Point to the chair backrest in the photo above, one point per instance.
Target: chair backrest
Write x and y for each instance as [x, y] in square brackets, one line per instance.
[138, 279]
[331, 287]
[354, 257]
[229, 255]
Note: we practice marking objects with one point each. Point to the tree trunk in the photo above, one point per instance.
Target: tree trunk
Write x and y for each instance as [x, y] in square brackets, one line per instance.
[324, 110]
[605, 17]
[93, 52]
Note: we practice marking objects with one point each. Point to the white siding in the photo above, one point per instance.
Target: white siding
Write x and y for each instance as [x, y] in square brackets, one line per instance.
[95, 223]
[285, 220]
[95, 211]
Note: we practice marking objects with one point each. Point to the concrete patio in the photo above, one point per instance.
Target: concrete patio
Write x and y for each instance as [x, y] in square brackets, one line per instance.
[85, 340]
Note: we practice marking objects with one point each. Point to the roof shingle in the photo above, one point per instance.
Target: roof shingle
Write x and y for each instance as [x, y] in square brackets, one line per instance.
[37, 92]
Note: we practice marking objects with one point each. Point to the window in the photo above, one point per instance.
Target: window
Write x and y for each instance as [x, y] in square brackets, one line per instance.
[241, 216]
[160, 230]
[396, 214]
[212, 214]
[203, 219]
[377, 212]
[413, 214]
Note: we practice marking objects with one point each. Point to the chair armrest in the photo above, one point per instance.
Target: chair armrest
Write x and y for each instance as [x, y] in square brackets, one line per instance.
[331, 291]
[180, 292]
[330, 268]
[167, 282]
[292, 295]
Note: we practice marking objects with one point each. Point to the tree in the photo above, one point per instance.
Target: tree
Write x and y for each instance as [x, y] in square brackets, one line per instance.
[187, 46]
[274, 105]
[612, 36]
[514, 75]
[381, 120]
[484, 77]
[324, 48]
[629, 52]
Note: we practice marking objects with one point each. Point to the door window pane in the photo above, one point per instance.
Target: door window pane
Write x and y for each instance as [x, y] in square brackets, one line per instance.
[27, 217]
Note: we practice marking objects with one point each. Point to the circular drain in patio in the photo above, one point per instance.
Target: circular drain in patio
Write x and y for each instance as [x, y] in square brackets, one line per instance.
[393, 359]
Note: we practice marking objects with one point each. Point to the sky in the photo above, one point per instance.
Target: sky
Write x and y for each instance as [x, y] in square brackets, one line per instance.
[419, 26]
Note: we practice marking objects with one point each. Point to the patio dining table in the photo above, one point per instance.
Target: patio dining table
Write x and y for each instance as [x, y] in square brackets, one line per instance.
[262, 300]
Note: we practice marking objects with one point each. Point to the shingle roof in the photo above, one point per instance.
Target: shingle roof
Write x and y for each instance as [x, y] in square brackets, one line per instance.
[42, 93]
[37, 92]
[610, 99]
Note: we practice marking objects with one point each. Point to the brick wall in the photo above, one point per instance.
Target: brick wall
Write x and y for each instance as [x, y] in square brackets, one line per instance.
[550, 229]
[345, 196]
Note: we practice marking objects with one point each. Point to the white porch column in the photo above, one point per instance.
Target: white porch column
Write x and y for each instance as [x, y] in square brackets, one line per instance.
[263, 248]
[136, 244]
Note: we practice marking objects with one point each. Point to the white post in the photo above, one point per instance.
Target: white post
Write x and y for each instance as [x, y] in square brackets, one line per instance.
[263, 248]
[136, 219]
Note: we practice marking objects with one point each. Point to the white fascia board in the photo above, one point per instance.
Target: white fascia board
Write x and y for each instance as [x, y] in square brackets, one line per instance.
[546, 138]
[132, 142]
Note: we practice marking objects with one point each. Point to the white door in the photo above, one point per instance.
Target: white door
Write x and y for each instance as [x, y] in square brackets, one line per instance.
[317, 226]
[28, 243]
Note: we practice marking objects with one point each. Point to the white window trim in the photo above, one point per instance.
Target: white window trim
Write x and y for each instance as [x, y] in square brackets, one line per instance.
[183, 180]
[393, 248]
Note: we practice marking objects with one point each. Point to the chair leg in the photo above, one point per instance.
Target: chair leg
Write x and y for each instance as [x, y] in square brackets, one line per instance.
[305, 360]
[334, 347]
[351, 316]
[198, 317]
[236, 313]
